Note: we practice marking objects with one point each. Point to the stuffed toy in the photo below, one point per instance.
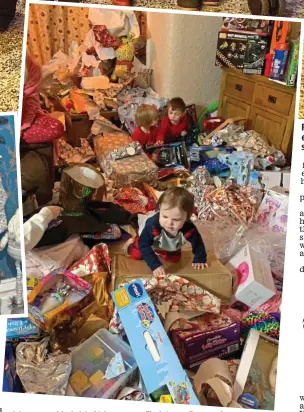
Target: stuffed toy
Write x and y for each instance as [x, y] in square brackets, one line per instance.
[125, 56]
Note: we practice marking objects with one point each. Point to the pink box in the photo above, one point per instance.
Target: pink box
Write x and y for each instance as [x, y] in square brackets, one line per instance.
[254, 277]
[273, 211]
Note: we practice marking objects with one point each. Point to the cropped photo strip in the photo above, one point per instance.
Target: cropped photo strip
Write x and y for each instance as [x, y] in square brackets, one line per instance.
[155, 262]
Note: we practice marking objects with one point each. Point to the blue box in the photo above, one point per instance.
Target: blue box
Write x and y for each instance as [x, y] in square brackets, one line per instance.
[165, 379]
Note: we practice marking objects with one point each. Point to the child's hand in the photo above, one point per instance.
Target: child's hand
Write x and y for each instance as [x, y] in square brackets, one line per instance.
[56, 210]
[159, 272]
[184, 133]
[199, 265]
[158, 143]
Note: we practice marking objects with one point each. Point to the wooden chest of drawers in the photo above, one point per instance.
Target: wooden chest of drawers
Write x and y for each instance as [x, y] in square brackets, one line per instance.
[268, 106]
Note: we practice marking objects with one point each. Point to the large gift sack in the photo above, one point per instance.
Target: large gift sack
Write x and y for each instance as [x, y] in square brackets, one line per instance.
[130, 170]
[79, 184]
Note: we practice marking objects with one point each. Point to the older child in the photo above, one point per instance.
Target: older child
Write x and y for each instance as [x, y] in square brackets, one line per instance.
[147, 118]
[167, 231]
[176, 124]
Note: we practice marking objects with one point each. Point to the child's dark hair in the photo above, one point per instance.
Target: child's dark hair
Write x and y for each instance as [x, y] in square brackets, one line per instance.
[178, 197]
[177, 104]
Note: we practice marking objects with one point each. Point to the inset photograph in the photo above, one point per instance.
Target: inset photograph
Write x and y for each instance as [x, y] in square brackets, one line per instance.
[11, 279]
[155, 170]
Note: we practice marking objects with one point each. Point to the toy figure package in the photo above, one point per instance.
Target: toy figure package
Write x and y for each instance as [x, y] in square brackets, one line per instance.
[165, 379]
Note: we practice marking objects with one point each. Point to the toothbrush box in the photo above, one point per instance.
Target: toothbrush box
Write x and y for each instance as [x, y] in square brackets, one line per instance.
[165, 379]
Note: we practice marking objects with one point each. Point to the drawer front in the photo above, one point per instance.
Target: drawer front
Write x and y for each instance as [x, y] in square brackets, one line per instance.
[269, 125]
[273, 99]
[240, 88]
[233, 108]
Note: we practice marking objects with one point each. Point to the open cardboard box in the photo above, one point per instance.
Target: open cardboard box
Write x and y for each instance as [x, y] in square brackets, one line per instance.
[217, 279]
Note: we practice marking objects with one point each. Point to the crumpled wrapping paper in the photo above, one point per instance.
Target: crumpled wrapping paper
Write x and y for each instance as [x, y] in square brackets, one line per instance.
[250, 141]
[119, 23]
[41, 372]
[127, 111]
[174, 297]
[239, 203]
[69, 154]
[214, 382]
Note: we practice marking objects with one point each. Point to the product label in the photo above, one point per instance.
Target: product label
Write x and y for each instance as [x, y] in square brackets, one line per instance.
[122, 298]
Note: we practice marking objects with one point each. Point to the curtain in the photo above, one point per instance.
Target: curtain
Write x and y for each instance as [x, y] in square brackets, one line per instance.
[53, 28]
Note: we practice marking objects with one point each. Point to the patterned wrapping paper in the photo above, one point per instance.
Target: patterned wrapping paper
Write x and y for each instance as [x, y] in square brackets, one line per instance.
[131, 170]
[240, 203]
[96, 260]
[174, 296]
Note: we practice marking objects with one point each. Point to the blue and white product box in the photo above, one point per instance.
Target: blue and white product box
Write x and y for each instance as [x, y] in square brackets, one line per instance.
[165, 379]
[21, 328]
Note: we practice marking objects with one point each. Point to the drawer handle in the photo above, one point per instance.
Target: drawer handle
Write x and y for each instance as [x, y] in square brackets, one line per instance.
[272, 99]
[238, 87]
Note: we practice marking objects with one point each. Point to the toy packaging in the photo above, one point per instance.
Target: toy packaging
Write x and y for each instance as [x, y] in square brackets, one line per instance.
[255, 284]
[21, 328]
[273, 211]
[169, 155]
[165, 379]
[279, 34]
[244, 52]
[254, 57]
[101, 366]
[292, 69]
[255, 382]
[207, 336]
[232, 24]
[56, 297]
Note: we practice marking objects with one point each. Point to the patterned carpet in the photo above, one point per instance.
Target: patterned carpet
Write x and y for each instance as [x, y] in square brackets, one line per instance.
[10, 65]
[294, 8]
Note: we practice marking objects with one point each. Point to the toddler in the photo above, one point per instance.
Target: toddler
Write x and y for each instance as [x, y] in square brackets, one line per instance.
[176, 124]
[147, 119]
[167, 231]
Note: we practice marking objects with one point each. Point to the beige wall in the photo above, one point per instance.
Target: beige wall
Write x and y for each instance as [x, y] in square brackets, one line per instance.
[181, 51]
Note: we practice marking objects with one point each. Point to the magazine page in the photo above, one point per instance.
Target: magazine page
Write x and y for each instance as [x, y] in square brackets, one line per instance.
[157, 150]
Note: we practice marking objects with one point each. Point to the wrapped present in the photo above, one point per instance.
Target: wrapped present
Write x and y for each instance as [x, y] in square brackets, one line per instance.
[131, 149]
[130, 170]
[240, 164]
[96, 260]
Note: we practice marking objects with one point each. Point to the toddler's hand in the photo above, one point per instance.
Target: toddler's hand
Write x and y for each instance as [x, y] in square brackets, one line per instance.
[159, 272]
[184, 133]
[199, 265]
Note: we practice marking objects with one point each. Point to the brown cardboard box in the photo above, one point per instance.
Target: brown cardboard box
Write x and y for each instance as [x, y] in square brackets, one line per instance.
[217, 279]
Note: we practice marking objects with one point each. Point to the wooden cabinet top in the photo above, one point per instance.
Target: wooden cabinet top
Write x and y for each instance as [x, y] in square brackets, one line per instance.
[260, 79]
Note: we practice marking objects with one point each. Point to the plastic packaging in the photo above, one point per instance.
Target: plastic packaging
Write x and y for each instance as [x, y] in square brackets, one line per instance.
[41, 372]
[229, 238]
[90, 362]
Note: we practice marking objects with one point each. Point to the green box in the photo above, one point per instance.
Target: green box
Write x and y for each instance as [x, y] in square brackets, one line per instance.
[293, 62]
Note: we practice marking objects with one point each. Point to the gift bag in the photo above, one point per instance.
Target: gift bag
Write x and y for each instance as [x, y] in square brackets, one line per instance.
[79, 184]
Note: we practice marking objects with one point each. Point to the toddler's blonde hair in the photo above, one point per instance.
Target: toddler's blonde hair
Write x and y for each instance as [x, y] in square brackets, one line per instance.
[145, 115]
